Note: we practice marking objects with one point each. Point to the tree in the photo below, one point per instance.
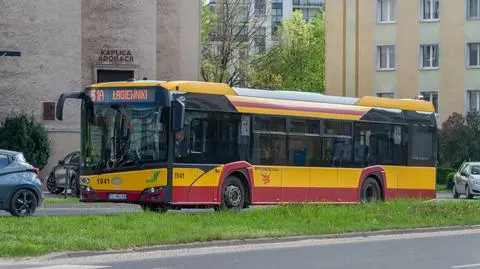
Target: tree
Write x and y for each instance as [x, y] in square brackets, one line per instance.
[459, 139]
[229, 29]
[24, 134]
[297, 61]
[209, 21]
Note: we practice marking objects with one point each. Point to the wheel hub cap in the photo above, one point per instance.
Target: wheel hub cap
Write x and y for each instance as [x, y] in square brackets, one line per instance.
[234, 195]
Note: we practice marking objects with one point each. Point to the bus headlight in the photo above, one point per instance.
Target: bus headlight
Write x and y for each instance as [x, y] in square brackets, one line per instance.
[153, 190]
[85, 180]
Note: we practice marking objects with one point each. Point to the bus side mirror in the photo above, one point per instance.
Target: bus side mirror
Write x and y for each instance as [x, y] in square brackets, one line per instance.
[89, 109]
[74, 95]
[178, 115]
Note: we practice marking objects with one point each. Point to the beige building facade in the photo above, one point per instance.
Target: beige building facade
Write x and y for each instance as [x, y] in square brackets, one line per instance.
[405, 48]
[52, 46]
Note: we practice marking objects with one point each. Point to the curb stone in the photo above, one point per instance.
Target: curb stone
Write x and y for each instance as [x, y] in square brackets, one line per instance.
[225, 243]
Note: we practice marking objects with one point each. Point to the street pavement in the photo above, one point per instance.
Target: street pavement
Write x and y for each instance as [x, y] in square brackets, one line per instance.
[433, 250]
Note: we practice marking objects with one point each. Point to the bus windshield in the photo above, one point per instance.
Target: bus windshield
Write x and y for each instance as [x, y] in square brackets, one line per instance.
[125, 135]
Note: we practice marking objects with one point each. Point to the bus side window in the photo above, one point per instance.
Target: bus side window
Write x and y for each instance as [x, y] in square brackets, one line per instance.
[270, 141]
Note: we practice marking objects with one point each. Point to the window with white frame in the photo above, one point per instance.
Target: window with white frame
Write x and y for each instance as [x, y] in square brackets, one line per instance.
[473, 9]
[473, 100]
[386, 10]
[473, 57]
[386, 94]
[430, 9]
[429, 55]
[431, 96]
[386, 57]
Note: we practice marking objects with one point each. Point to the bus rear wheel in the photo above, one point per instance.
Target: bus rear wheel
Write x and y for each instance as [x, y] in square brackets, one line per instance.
[370, 191]
[233, 194]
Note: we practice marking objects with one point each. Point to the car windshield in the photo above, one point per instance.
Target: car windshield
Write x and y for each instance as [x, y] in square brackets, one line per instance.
[475, 170]
[125, 135]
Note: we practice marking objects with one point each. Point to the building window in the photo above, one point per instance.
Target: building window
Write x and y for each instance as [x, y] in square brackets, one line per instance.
[473, 9]
[243, 53]
[473, 100]
[260, 7]
[386, 10]
[429, 56]
[385, 57]
[473, 54]
[277, 15]
[386, 94]
[260, 37]
[431, 96]
[430, 9]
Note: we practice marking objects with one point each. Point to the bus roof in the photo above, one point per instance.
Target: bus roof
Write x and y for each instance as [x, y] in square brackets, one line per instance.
[224, 89]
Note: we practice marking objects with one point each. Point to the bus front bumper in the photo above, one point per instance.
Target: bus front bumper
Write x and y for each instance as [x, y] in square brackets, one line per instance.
[148, 196]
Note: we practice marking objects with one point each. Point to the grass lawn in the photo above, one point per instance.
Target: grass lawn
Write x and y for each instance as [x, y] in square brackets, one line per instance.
[40, 235]
[60, 200]
[71, 200]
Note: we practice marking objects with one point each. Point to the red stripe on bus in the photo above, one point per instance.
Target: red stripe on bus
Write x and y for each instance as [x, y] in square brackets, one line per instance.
[267, 195]
[415, 194]
[270, 195]
[299, 108]
[273, 195]
[198, 194]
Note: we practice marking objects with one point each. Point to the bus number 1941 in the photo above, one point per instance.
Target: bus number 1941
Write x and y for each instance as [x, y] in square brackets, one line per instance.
[103, 181]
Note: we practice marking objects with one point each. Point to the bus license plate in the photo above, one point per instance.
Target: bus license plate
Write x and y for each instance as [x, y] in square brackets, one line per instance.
[117, 196]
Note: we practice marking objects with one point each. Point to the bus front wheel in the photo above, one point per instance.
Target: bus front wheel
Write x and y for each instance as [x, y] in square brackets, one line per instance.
[233, 194]
[370, 191]
[154, 208]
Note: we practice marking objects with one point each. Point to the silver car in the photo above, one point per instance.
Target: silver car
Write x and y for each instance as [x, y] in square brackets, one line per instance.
[467, 180]
[20, 187]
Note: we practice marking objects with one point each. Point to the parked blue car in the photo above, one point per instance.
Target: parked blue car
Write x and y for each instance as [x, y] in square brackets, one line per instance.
[20, 186]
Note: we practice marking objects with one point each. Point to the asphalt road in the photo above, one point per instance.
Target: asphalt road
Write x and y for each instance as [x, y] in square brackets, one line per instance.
[454, 249]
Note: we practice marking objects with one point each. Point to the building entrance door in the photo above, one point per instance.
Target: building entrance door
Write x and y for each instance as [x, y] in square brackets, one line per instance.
[114, 75]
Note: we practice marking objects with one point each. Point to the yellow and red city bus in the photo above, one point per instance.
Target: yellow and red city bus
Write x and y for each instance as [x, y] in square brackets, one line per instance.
[196, 144]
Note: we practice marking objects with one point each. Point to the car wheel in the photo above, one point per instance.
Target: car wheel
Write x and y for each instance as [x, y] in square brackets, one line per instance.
[74, 186]
[52, 185]
[467, 193]
[23, 203]
[455, 192]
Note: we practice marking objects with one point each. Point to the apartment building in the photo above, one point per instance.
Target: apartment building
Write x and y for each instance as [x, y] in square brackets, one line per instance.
[405, 48]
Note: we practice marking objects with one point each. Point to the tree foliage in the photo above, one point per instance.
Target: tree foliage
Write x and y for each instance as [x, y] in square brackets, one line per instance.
[297, 61]
[460, 139]
[209, 21]
[24, 134]
[228, 30]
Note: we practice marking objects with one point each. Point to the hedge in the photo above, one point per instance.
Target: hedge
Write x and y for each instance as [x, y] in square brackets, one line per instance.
[442, 174]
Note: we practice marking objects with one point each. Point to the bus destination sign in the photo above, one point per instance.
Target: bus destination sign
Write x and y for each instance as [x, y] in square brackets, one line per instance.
[122, 95]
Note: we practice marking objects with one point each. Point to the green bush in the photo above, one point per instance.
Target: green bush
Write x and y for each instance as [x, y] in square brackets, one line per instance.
[442, 174]
[449, 181]
[23, 133]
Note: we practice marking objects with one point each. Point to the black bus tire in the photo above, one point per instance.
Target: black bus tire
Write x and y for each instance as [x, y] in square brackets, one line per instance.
[233, 194]
[156, 208]
[370, 191]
